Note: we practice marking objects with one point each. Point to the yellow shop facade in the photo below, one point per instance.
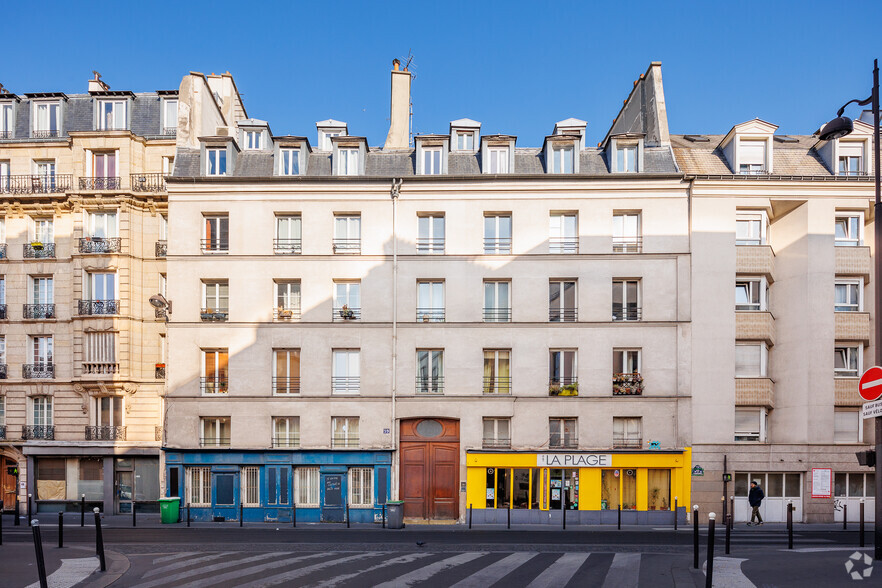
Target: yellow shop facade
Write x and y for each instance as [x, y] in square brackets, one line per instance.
[589, 485]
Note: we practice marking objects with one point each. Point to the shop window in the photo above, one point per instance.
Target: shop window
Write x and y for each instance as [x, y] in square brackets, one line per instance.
[854, 485]
[91, 482]
[361, 487]
[564, 487]
[629, 489]
[609, 489]
[51, 480]
[659, 486]
[251, 486]
[199, 486]
[306, 490]
[521, 488]
[276, 485]
[498, 487]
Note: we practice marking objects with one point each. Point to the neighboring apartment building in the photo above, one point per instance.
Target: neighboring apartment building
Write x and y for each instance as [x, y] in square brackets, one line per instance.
[781, 316]
[82, 246]
[462, 322]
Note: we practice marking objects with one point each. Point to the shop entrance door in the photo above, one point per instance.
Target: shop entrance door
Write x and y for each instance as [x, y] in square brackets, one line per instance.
[332, 503]
[430, 468]
[225, 490]
[124, 492]
[564, 489]
[8, 483]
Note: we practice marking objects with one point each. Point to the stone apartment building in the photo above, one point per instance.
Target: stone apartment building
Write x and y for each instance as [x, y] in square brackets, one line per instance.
[82, 227]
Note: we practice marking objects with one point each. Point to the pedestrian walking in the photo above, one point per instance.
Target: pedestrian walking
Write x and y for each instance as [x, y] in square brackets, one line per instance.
[755, 499]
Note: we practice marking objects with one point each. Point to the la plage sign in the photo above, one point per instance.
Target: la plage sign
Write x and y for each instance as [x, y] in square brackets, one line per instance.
[574, 460]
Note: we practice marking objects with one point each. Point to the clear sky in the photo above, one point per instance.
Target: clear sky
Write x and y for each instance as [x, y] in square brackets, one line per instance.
[516, 66]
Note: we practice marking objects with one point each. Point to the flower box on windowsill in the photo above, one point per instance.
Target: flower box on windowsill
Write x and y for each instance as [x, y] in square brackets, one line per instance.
[563, 389]
[286, 314]
[628, 385]
[36, 245]
[212, 316]
[160, 365]
[347, 313]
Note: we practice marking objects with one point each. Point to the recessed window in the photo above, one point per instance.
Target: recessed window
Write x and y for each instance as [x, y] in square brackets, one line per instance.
[306, 486]
[347, 369]
[847, 361]
[347, 233]
[361, 487]
[347, 164]
[751, 360]
[169, 116]
[41, 411]
[497, 301]
[214, 371]
[286, 433]
[344, 432]
[431, 161]
[465, 140]
[431, 233]
[216, 236]
[626, 232]
[562, 306]
[849, 295]
[563, 433]
[848, 229]
[47, 119]
[626, 158]
[216, 164]
[286, 378]
[288, 234]
[751, 424]
[215, 433]
[751, 157]
[563, 233]
[252, 139]
[287, 299]
[751, 228]
[562, 375]
[851, 157]
[497, 233]
[627, 380]
[847, 426]
[101, 225]
[497, 433]
[430, 371]
[215, 301]
[430, 301]
[7, 122]
[290, 162]
[112, 115]
[626, 300]
[751, 294]
[347, 301]
[627, 432]
[325, 139]
[497, 371]
[498, 160]
[562, 159]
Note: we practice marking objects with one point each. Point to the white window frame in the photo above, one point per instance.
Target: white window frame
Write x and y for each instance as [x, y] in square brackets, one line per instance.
[432, 161]
[854, 414]
[498, 386]
[102, 224]
[755, 436]
[166, 105]
[346, 364]
[118, 114]
[198, 486]
[430, 297]
[289, 161]
[217, 244]
[41, 411]
[250, 491]
[347, 293]
[627, 157]
[168, 165]
[251, 140]
[42, 349]
[763, 363]
[347, 227]
[562, 377]
[306, 486]
[361, 487]
[498, 157]
[561, 154]
[429, 241]
[430, 381]
[3, 408]
[221, 425]
[101, 286]
[846, 154]
[325, 143]
[624, 224]
[494, 243]
[849, 284]
[564, 314]
[752, 219]
[497, 298]
[752, 285]
[286, 431]
[496, 438]
[288, 296]
[462, 140]
[563, 232]
[626, 314]
[347, 161]
[290, 388]
[37, 125]
[213, 299]
[7, 120]
[347, 442]
[216, 157]
[41, 229]
[851, 219]
[561, 423]
[628, 432]
[112, 400]
[626, 357]
[850, 354]
[220, 380]
[41, 290]
[748, 165]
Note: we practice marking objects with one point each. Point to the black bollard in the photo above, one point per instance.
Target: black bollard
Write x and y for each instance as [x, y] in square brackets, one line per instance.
[99, 540]
[1, 522]
[188, 514]
[38, 547]
[862, 522]
[709, 580]
[789, 525]
[241, 513]
[564, 517]
[675, 513]
[134, 510]
[29, 509]
[83, 511]
[294, 516]
[620, 516]
[347, 515]
[470, 516]
[728, 533]
[508, 524]
[844, 517]
[732, 511]
[60, 529]
[17, 521]
[384, 515]
[695, 536]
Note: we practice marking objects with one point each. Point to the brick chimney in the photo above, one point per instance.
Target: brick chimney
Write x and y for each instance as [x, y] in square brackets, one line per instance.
[399, 127]
[96, 84]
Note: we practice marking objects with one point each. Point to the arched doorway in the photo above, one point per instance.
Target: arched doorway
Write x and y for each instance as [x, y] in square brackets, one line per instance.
[429, 455]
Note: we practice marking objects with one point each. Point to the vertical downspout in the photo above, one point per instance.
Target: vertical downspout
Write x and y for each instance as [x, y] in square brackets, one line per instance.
[396, 187]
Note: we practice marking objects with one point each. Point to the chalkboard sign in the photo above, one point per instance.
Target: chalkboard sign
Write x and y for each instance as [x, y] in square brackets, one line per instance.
[225, 489]
[334, 490]
[381, 486]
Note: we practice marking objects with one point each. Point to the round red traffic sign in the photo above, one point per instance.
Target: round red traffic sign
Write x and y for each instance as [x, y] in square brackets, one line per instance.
[870, 386]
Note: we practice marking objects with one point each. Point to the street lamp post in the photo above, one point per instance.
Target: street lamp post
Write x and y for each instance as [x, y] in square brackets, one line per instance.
[839, 127]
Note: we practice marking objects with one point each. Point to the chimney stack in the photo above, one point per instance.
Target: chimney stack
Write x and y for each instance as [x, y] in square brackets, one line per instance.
[399, 127]
[96, 85]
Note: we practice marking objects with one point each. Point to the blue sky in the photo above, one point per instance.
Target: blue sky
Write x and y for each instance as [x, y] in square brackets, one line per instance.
[516, 66]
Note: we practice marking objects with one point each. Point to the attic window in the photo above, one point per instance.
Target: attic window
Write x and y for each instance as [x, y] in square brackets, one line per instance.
[562, 159]
[626, 157]
[752, 157]
[290, 161]
[112, 115]
[432, 161]
[498, 160]
[7, 124]
[465, 140]
[851, 156]
[252, 139]
[348, 161]
[216, 161]
[325, 139]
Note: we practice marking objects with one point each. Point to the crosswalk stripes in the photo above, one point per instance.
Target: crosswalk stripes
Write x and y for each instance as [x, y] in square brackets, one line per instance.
[166, 580]
[495, 571]
[299, 573]
[410, 557]
[559, 573]
[183, 564]
[427, 572]
[167, 558]
[624, 570]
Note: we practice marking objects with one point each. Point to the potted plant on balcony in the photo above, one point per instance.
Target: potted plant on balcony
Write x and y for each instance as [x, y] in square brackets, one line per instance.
[628, 384]
[347, 313]
[425, 318]
[570, 389]
[207, 314]
[37, 245]
[285, 313]
[160, 366]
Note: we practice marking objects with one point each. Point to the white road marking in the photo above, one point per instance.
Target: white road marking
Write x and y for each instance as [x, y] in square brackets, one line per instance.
[560, 572]
[173, 557]
[822, 549]
[423, 574]
[728, 574]
[496, 571]
[71, 572]
[623, 571]
[398, 560]
[286, 576]
[183, 564]
[206, 569]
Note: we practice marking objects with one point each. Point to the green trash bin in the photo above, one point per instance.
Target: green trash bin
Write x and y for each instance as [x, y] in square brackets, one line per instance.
[169, 509]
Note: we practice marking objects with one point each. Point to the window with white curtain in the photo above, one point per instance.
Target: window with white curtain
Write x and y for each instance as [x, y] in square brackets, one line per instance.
[498, 160]
[751, 424]
[847, 426]
[112, 115]
[751, 360]
[99, 353]
[344, 431]
[849, 295]
[346, 378]
[101, 224]
[306, 486]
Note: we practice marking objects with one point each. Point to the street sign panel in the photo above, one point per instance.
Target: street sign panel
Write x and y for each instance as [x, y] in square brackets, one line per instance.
[872, 409]
[870, 386]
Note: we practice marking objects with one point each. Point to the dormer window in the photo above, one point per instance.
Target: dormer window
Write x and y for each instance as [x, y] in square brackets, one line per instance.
[112, 115]
[432, 161]
[169, 116]
[290, 161]
[752, 157]
[626, 158]
[562, 159]
[7, 123]
[47, 119]
[347, 161]
[325, 139]
[499, 160]
[216, 161]
[252, 139]
[851, 158]
[465, 141]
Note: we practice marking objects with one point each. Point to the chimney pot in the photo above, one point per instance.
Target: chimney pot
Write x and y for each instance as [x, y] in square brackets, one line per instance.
[395, 64]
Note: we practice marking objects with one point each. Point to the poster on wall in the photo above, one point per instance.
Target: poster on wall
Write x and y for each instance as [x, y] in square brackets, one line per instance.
[822, 483]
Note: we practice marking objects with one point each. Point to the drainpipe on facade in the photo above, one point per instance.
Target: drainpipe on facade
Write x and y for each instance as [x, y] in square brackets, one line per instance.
[394, 192]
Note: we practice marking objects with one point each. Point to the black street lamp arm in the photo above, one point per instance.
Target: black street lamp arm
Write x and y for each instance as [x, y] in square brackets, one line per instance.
[856, 101]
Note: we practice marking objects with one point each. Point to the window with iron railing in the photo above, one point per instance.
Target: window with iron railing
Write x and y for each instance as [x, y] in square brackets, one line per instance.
[214, 371]
[627, 237]
[216, 235]
[497, 234]
[563, 235]
[627, 432]
[562, 301]
[627, 380]
[286, 377]
[562, 378]
[431, 233]
[497, 374]
[347, 234]
[430, 371]
[288, 235]
[430, 302]
[497, 301]
[497, 433]
[346, 378]
[347, 301]
[344, 432]
[286, 432]
[626, 300]
[215, 432]
[562, 433]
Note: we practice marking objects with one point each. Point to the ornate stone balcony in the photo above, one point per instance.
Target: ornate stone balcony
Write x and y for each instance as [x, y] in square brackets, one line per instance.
[106, 433]
[100, 245]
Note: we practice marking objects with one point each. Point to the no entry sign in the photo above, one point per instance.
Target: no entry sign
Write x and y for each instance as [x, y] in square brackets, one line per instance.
[871, 384]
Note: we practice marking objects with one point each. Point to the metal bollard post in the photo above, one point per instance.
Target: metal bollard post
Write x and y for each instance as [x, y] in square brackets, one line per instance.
[508, 524]
[17, 521]
[844, 517]
[188, 514]
[38, 548]
[384, 515]
[60, 529]
[1, 522]
[241, 513]
[470, 515]
[620, 517]
[294, 516]
[728, 533]
[99, 539]
[695, 536]
[675, 513]
[347, 514]
[29, 509]
[732, 512]
[134, 510]
[709, 580]
[564, 517]
[83, 511]
[789, 525]
[862, 522]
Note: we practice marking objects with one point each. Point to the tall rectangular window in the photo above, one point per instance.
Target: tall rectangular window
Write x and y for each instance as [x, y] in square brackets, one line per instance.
[101, 286]
[497, 432]
[199, 486]
[751, 228]
[497, 371]
[216, 234]
[562, 375]
[497, 233]
[751, 360]
[431, 233]
[430, 302]
[498, 160]
[751, 424]
[497, 302]
[99, 353]
[849, 295]
[347, 372]
[112, 115]
[344, 432]
[347, 301]
[286, 431]
[361, 487]
[563, 235]
[562, 305]
[42, 291]
[847, 360]
[288, 234]
[626, 300]
[347, 233]
[430, 371]
[628, 432]
[348, 162]
[216, 299]
[251, 486]
[848, 229]
[751, 294]
[47, 119]
[290, 162]
[847, 426]
[42, 230]
[5, 180]
[562, 433]
[109, 411]
[41, 411]
[214, 371]
[432, 161]
[306, 486]
[101, 224]
[626, 158]
[216, 161]
[286, 378]
[41, 348]
[562, 159]
[104, 167]
[287, 299]
[45, 172]
[7, 123]
[627, 237]
[215, 432]
[627, 379]
[169, 116]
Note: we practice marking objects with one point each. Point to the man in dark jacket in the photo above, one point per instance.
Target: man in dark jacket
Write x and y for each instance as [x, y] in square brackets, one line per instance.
[755, 498]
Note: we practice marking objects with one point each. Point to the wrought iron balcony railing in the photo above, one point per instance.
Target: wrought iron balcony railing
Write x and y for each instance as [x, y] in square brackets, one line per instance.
[346, 313]
[345, 384]
[497, 315]
[632, 244]
[342, 441]
[286, 440]
[496, 443]
[286, 314]
[154, 182]
[161, 248]
[45, 134]
[563, 442]
[211, 315]
[35, 371]
[286, 385]
[100, 367]
[428, 245]
[497, 385]
[214, 441]
[565, 386]
[45, 432]
[2, 432]
[38, 250]
[7, 134]
[38, 311]
[430, 315]
[563, 315]
[90, 307]
[215, 245]
[100, 244]
[627, 384]
[159, 372]
[214, 385]
[286, 246]
[567, 245]
[106, 433]
[3, 315]
[620, 442]
[347, 245]
[99, 183]
[496, 246]
[36, 184]
[3, 251]
[4, 371]
[430, 385]
[631, 313]
[169, 131]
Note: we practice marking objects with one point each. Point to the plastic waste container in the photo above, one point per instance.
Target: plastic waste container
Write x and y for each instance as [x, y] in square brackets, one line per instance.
[395, 514]
[169, 509]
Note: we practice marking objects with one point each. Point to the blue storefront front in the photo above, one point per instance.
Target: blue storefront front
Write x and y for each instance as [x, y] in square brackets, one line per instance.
[267, 486]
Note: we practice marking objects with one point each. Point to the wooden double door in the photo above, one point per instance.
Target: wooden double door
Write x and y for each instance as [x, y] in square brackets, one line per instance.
[429, 455]
[8, 482]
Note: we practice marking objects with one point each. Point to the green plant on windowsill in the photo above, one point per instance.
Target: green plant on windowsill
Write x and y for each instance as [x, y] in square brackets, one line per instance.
[558, 389]
[37, 245]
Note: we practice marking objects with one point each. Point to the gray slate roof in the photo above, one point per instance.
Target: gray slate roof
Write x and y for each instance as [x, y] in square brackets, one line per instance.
[788, 159]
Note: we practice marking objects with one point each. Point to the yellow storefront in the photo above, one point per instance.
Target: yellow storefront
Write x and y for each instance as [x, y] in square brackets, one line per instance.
[589, 485]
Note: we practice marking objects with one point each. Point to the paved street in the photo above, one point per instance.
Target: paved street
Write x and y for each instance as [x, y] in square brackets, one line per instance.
[433, 556]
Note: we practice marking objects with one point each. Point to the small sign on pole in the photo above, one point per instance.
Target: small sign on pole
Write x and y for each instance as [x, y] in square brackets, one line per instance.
[870, 386]
[872, 409]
